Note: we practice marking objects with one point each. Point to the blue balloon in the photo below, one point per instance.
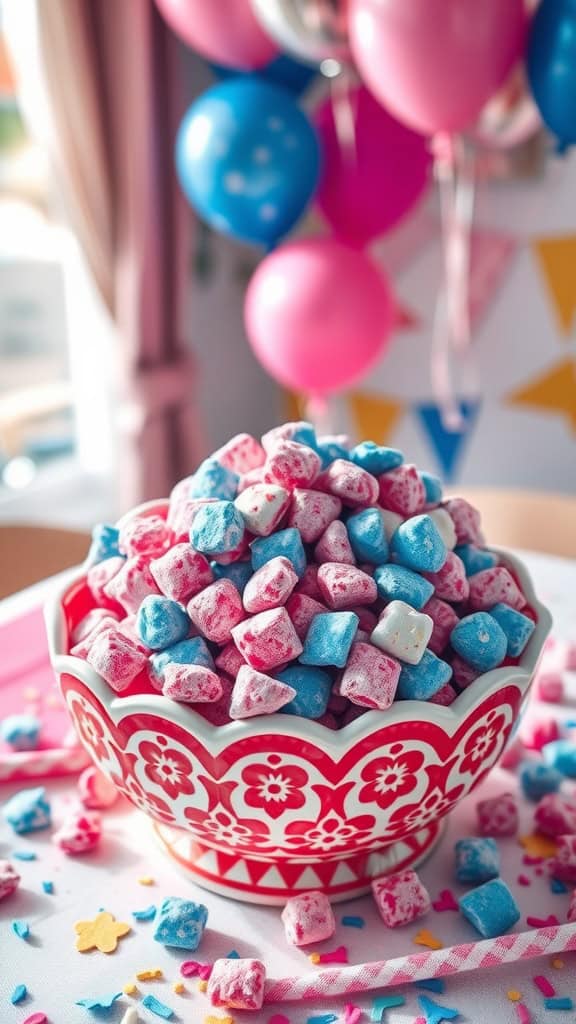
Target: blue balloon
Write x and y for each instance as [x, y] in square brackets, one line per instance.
[552, 67]
[284, 70]
[248, 159]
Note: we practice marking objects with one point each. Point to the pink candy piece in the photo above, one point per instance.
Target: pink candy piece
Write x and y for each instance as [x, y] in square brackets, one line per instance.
[312, 511]
[494, 586]
[117, 659]
[144, 535]
[308, 918]
[444, 618]
[370, 677]
[191, 684]
[540, 733]
[230, 660]
[570, 657]
[513, 754]
[258, 694]
[262, 507]
[402, 490]
[550, 687]
[103, 625]
[498, 816]
[450, 582]
[563, 865]
[555, 815]
[352, 484]
[80, 833]
[302, 610]
[270, 586]
[291, 465]
[235, 554]
[181, 572]
[132, 583]
[90, 622]
[343, 586]
[128, 626]
[268, 639]
[400, 898]
[445, 696]
[285, 432]
[334, 545]
[100, 575]
[95, 790]
[466, 521]
[9, 879]
[216, 610]
[237, 984]
[241, 454]
[571, 915]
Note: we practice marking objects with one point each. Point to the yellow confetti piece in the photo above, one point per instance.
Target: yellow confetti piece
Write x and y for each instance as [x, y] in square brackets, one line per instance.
[513, 995]
[218, 1020]
[202, 986]
[314, 958]
[178, 987]
[146, 880]
[150, 975]
[537, 845]
[425, 938]
[557, 964]
[102, 933]
[130, 989]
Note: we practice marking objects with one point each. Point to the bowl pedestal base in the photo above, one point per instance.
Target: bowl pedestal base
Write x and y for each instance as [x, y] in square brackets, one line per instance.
[257, 880]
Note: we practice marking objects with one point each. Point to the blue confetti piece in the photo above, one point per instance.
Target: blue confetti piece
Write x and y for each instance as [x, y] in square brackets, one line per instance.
[148, 914]
[385, 1003]
[19, 993]
[323, 1018]
[570, 724]
[48, 887]
[432, 984]
[99, 1003]
[160, 1009]
[557, 886]
[232, 955]
[353, 922]
[558, 1003]
[24, 855]
[21, 929]
[435, 1013]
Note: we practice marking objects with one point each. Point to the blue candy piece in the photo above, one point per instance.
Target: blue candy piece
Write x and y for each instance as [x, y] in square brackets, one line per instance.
[28, 810]
[367, 536]
[417, 544]
[435, 1013]
[218, 528]
[21, 732]
[491, 908]
[561, 755]
[477, 860]
[475, 559]
[180, 923]
[100, 1002]
[304, 433]
[161, 622]
[104, 543]
[211, 480]
[517, 627]
[287, 543]
[157, 1007]
[313, 688]
[329, 639]
[538, 779]
[396, 583]
[187, 652]
[18, 994]
[375, 458]
[422, 681]
[237, 572]
[329, 450]
[480, 640]
[432, 487]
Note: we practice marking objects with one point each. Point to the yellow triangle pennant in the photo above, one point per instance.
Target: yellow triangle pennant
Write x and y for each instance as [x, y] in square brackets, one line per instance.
[554, 391]
[557, 259]
[375, 418]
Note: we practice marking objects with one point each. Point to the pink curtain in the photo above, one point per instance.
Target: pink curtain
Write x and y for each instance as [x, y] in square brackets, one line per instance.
[112, 73]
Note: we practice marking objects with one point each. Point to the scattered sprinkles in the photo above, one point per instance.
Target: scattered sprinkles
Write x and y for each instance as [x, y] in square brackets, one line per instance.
[350, 921]
[36, 1018]
[352, 1014]
[146, 880]
[218, 1020]
[559, 1003]
[435, 1013]
[425, 938]
[546, 987]
[557, 964]
[157, 1007]
[192, 968]
[150, 975]
[523, 880]
[279, 1018]
[446, 901]
[102, 933]
[523, 1014]
[148, 914]
[233, 955]
[24, 855]
[19, 993]
[99, 1003]
[542, 922]
[557, 886]
[130, 989]
[21, 929]
[514, 995]
[538, 845]
[432, 984]
[322, 1018]
[334, 956]
[48, 887]
[383, 1003]
[178, 987]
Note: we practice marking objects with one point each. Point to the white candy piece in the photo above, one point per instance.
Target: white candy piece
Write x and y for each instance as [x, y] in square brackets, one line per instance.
[131, 1016]
[391, 522]
[403, 632]
[445, 525]
[262, 507]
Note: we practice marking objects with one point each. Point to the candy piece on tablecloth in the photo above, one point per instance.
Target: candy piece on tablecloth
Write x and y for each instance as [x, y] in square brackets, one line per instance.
[230, 660]
[213, 480]
[443, 522]
[466, 520]
[402, 491]
[241, 454]
[334, 545]
[463, 674]
[396, 583]
[302, 610]
[218, 528]
[344, 585]
[28, 810]
[376, 458]
[308, 583]
[563, 864]
[490, 908]
[117, 659]
[514, 753]
[368, 536]
[445, 696]
[237, 983]
[561, 755]
[95, 790]
[9, 879]
[286, 543]
[270, 586]
[492, 587]
[180, 923]
[216, 610]
[262, 507]
[291, 464]
[555, 815]
[188, 652]
[132, 583]
[400, 898]
[21, 732]
[308, 918]
[422, 681]
[161, 622]
[550, 687]
[79, 833]
[191, 684]
[432, 487]
[101, 574]
[541, 732]
[104, 543]
[475, 559]
[537, 779]
[418, 545]
[480, 640]
[450, 582]
[312, 689]
[90, 622]
[144, 535]
[297, 430]
[476, 860]
[255, 693]
[181, 572]
[517, 627]
[352, 484]
[498, 816]
[403, 632]
[267, 639]
[311, 512]
[370, 677]
[444, 618]
[329, 639]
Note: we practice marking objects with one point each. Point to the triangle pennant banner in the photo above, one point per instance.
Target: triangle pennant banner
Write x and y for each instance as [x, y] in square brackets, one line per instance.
[553, 392]
[491, 257]
[448, 445]
[557, 260]
[375, 419]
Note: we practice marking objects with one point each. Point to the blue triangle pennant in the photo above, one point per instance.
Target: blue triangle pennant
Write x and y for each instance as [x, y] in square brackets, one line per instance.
[448, 444]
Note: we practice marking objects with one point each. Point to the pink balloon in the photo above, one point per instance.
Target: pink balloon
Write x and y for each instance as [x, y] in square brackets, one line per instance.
[372, 181]
[435, 63]
[318, 315]
[224, 31]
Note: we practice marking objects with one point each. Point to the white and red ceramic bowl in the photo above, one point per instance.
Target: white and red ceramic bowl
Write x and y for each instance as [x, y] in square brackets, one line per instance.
[266, 808]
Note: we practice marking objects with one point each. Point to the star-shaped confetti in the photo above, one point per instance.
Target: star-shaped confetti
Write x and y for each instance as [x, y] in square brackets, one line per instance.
[102, 933]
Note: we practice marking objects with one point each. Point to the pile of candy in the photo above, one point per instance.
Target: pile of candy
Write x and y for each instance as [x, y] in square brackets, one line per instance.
[302, 576]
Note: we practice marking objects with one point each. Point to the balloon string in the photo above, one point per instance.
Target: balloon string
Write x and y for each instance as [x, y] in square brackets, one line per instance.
[319, 413]
[441, 355]
[344, 113]
[460, 241]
